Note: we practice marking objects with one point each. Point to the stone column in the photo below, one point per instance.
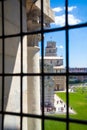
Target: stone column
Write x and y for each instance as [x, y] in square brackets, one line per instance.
[33, 88]
[12, 60]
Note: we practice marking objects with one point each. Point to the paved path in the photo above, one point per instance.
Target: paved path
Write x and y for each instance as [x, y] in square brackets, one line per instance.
[60, 105]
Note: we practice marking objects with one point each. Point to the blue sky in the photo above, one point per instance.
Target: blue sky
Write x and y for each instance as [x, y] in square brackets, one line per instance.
[77, 13]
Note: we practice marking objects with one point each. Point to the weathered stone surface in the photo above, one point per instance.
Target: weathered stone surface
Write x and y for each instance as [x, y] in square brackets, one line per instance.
[12, 61]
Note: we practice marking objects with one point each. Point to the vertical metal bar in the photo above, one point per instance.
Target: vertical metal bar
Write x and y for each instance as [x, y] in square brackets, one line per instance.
[3, 64]
[42, 61]
[21, 76]
[67, 63]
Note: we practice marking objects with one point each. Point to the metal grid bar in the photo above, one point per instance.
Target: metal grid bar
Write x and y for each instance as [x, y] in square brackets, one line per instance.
[21, 77]
[67, 63]
[3, 64]
[66, 28]
[42, 62]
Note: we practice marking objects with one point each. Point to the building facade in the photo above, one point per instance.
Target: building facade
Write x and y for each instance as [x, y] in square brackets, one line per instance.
[48, 88]
[77, 78]
[56, 61]
[51, 49]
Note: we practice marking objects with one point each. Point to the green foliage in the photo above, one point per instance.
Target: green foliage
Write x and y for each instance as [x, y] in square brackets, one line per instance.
[78, 101]
[80, 89]
[54, 125]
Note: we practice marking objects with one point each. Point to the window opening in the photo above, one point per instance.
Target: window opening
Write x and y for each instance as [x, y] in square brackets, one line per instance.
[21, 81]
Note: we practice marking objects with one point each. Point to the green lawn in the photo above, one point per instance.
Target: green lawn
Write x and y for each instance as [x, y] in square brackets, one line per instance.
[78, 101]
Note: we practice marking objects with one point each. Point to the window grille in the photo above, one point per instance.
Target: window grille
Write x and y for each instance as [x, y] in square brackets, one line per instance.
[22, 74]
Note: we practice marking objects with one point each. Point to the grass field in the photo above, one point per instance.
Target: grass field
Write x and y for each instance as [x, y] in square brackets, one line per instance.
[78, 101]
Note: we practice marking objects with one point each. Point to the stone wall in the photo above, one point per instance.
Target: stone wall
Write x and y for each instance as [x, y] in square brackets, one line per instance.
[12, 61]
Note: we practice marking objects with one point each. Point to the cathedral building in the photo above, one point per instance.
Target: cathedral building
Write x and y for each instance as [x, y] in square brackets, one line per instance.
[56, 61]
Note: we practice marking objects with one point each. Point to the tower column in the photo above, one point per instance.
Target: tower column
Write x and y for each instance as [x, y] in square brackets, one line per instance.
[33, 88]
[34, 24]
